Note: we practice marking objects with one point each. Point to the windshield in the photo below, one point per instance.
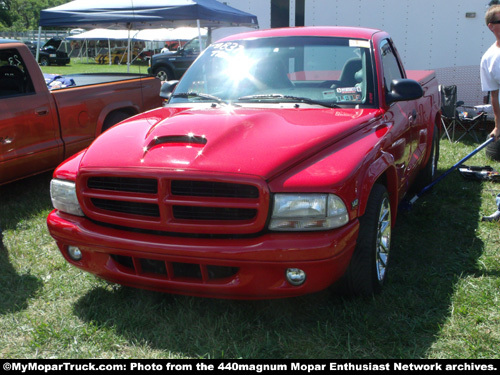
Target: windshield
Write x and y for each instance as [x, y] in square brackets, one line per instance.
[324, 71]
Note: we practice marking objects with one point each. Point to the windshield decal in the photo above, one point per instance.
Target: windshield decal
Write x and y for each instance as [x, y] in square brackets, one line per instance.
[359, 43]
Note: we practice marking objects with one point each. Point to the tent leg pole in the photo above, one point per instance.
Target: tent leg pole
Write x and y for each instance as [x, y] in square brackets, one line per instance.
[199, 34]
[39, 40]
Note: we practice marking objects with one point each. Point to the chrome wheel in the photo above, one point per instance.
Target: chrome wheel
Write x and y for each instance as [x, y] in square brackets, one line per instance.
[367, 270]
[383, 239]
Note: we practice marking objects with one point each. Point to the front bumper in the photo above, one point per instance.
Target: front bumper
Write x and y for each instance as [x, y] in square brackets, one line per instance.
[238, 268]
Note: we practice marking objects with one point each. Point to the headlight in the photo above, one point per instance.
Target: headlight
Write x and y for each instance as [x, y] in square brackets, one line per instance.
[63, 194]
[307, 212]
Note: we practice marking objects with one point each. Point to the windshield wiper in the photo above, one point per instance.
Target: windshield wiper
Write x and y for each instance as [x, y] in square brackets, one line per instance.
[289, 97]
[201, 95]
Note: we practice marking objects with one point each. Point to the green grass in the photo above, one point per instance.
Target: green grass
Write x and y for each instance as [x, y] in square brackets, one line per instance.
[441, 299]
[78, 65]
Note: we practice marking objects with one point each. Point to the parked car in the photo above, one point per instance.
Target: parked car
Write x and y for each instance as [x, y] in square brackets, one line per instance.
[49, 53]
[118, 56]
[172, 65]
[275, 170]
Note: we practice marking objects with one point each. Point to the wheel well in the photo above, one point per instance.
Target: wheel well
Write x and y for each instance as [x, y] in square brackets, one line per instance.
[389, 180]
[116, 116]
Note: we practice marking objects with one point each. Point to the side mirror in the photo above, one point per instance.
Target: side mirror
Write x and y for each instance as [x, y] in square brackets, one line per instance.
[403, 90]
[167, 88]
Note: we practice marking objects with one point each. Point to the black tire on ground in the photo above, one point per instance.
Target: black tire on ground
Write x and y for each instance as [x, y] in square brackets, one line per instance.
[493, 151]
[366, 272]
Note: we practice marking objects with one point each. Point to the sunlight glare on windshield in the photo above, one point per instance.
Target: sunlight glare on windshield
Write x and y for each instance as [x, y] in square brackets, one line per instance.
[239, 68]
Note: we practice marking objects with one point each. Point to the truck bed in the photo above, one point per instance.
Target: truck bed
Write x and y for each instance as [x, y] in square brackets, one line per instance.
[422, 76]
[86, 79]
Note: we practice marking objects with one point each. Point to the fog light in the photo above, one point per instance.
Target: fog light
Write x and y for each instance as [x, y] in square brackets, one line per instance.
[295, 276]
[74, 253]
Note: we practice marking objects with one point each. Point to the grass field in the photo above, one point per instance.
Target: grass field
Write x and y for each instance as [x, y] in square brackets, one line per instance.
[441, 299]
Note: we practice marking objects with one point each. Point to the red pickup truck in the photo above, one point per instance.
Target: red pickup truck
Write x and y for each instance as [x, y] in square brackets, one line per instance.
[39, 128]
[274, 170]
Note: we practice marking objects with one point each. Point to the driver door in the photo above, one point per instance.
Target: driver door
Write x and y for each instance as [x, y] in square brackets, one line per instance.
[29, 132]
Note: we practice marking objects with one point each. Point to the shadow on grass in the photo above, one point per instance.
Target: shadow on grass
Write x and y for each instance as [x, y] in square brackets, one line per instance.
[18, 201]
[15, 289]
[433, 246]
[22, 199]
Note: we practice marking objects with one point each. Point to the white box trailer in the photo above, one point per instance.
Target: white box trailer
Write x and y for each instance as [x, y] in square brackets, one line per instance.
[442, 35]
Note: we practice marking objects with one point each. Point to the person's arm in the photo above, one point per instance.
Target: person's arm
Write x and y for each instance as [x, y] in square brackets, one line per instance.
[496, 111]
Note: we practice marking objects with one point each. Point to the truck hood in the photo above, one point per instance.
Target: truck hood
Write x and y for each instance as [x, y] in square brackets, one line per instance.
[251, 141]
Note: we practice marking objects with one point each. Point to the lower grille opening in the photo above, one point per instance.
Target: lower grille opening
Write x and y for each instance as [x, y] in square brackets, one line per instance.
[153, 266]
[185, 271]
[221, 272]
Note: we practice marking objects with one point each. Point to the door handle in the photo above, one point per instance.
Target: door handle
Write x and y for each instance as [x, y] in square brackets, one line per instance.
[413, 115]
[42, 111]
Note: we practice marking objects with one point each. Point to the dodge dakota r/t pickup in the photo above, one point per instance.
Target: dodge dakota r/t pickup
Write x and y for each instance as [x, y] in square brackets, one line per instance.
[274, 170]
[39, 128]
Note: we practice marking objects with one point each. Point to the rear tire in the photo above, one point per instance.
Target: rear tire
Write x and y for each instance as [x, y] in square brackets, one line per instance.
[367, 271]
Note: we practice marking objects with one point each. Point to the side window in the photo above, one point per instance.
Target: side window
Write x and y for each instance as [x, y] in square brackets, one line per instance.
[390, 64]
[14, 78]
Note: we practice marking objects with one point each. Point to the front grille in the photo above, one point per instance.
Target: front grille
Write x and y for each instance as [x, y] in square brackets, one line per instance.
[135, 185]
[212, 213]
[177, 271]
[213, 189]
[132, 208]
[197, 206]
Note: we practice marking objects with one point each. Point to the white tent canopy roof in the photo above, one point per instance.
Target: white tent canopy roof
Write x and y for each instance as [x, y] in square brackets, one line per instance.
[181, 33]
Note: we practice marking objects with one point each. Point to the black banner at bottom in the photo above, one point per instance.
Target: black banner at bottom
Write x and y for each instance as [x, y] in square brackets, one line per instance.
[22, 366]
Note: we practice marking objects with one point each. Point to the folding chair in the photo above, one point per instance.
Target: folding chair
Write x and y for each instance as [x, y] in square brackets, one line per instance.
[469, 119]
[449, 117]
[465, 120]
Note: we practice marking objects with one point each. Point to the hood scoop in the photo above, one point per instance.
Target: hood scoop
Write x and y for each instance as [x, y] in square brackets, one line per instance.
[179, 140]
[183, 149]
[187, 140]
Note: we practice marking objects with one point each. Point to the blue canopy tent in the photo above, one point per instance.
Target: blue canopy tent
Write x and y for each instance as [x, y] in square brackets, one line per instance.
[144, 14]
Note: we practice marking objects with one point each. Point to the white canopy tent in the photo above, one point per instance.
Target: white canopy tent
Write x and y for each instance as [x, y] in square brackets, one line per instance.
[162, 34]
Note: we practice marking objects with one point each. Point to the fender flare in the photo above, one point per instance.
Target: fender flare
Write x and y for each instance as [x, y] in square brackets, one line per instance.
[382, 169]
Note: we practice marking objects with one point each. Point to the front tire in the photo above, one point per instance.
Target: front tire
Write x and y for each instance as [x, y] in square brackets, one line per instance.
[367, 271]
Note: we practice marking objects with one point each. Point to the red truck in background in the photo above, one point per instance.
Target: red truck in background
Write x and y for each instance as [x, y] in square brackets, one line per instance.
[274, 170]
[39, 128]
